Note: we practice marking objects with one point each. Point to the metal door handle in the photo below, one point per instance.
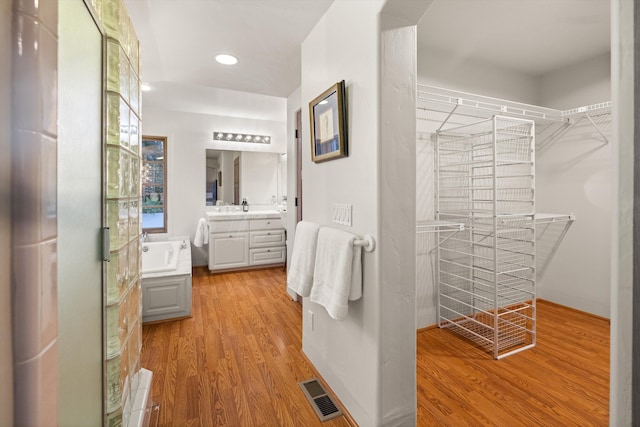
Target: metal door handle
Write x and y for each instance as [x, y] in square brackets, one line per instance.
[106, 244]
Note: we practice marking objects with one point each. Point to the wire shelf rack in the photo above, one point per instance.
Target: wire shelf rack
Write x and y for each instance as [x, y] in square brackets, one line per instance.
[445, 107]
[486, 271]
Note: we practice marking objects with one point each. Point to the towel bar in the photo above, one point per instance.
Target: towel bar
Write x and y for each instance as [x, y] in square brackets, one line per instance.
[367, 243]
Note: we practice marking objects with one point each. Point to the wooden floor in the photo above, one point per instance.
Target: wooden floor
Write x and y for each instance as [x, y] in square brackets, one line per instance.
[237, 362]
[563, 381]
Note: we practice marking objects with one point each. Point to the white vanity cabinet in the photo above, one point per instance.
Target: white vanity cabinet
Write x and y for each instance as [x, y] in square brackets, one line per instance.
[228, 244]
[245, 240]
[266, 242]
[228, 250]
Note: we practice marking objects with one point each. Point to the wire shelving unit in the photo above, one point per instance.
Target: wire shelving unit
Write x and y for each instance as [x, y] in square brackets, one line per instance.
[486, 272]
[446, 107]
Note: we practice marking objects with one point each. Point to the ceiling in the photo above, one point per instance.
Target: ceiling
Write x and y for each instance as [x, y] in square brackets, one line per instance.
[533, 37]
[179, 40]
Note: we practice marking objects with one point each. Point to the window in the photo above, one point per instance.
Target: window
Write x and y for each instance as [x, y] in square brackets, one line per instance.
[154, 184]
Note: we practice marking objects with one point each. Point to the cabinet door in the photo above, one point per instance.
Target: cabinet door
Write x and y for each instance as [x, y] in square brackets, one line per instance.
[166, 298]
[228, 250]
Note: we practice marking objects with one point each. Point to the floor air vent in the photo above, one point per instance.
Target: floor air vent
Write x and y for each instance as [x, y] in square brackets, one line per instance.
[320, 400]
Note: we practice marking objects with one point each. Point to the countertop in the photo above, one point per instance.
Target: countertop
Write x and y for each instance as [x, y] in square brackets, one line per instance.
[239, 215]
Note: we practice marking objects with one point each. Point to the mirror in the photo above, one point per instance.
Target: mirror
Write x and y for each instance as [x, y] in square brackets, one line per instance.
[233, 175]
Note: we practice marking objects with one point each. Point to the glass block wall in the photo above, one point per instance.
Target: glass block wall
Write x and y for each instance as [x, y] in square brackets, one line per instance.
[123, 309]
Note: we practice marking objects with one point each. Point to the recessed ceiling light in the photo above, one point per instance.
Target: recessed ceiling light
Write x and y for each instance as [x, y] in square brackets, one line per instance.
[145, 87]
[225, 59]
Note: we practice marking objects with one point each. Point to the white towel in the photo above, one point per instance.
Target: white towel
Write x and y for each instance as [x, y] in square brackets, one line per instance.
[337, 277]
[303, 258]
[202, 233]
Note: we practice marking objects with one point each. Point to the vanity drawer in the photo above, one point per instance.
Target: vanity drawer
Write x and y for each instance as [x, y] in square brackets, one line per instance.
[265, 238]
[227, 226]
[264, 256]
[265, 224]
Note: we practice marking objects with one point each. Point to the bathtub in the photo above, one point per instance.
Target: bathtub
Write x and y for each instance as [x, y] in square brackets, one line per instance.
[161, 256]
[166, 279]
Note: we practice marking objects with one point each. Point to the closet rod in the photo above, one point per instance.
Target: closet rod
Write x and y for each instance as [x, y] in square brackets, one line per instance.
[606, 140]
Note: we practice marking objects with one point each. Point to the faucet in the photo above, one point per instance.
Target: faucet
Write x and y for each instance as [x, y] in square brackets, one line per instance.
[145, 236]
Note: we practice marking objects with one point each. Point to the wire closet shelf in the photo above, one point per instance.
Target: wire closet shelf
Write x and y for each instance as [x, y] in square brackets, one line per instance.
[486, 272]
[447, 108]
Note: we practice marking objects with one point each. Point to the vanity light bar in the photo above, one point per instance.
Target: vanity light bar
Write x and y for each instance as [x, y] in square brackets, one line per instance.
[241, 137]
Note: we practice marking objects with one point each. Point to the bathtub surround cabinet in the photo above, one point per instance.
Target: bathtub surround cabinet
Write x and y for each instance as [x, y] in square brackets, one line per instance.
[167, 294]
[240, 240]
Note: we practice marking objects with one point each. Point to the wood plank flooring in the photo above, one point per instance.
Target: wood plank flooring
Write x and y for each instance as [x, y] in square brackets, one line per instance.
[238, 361]
[563, 381]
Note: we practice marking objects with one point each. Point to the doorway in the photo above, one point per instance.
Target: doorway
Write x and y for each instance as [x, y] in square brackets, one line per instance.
[236, 181]
[298, 134]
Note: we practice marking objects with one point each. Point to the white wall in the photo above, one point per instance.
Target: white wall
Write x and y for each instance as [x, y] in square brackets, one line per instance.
[6, 364]
[368, 359]
[451, 71]
[587, 82]
[624, 85]
[189, 135]
[346, 353]
[574, 174]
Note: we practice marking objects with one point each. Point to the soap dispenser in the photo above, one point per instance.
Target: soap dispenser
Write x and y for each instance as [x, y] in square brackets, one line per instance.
[245, 205]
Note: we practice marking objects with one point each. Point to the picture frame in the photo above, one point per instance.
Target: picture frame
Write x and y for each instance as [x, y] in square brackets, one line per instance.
[328, 117]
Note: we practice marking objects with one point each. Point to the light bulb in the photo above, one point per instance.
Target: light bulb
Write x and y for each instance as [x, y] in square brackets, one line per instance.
[226, 59]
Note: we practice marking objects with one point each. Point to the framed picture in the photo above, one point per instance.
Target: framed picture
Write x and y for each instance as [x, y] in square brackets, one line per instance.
[328, 124]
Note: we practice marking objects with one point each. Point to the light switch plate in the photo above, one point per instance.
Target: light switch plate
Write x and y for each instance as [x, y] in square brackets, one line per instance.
[342, 213]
